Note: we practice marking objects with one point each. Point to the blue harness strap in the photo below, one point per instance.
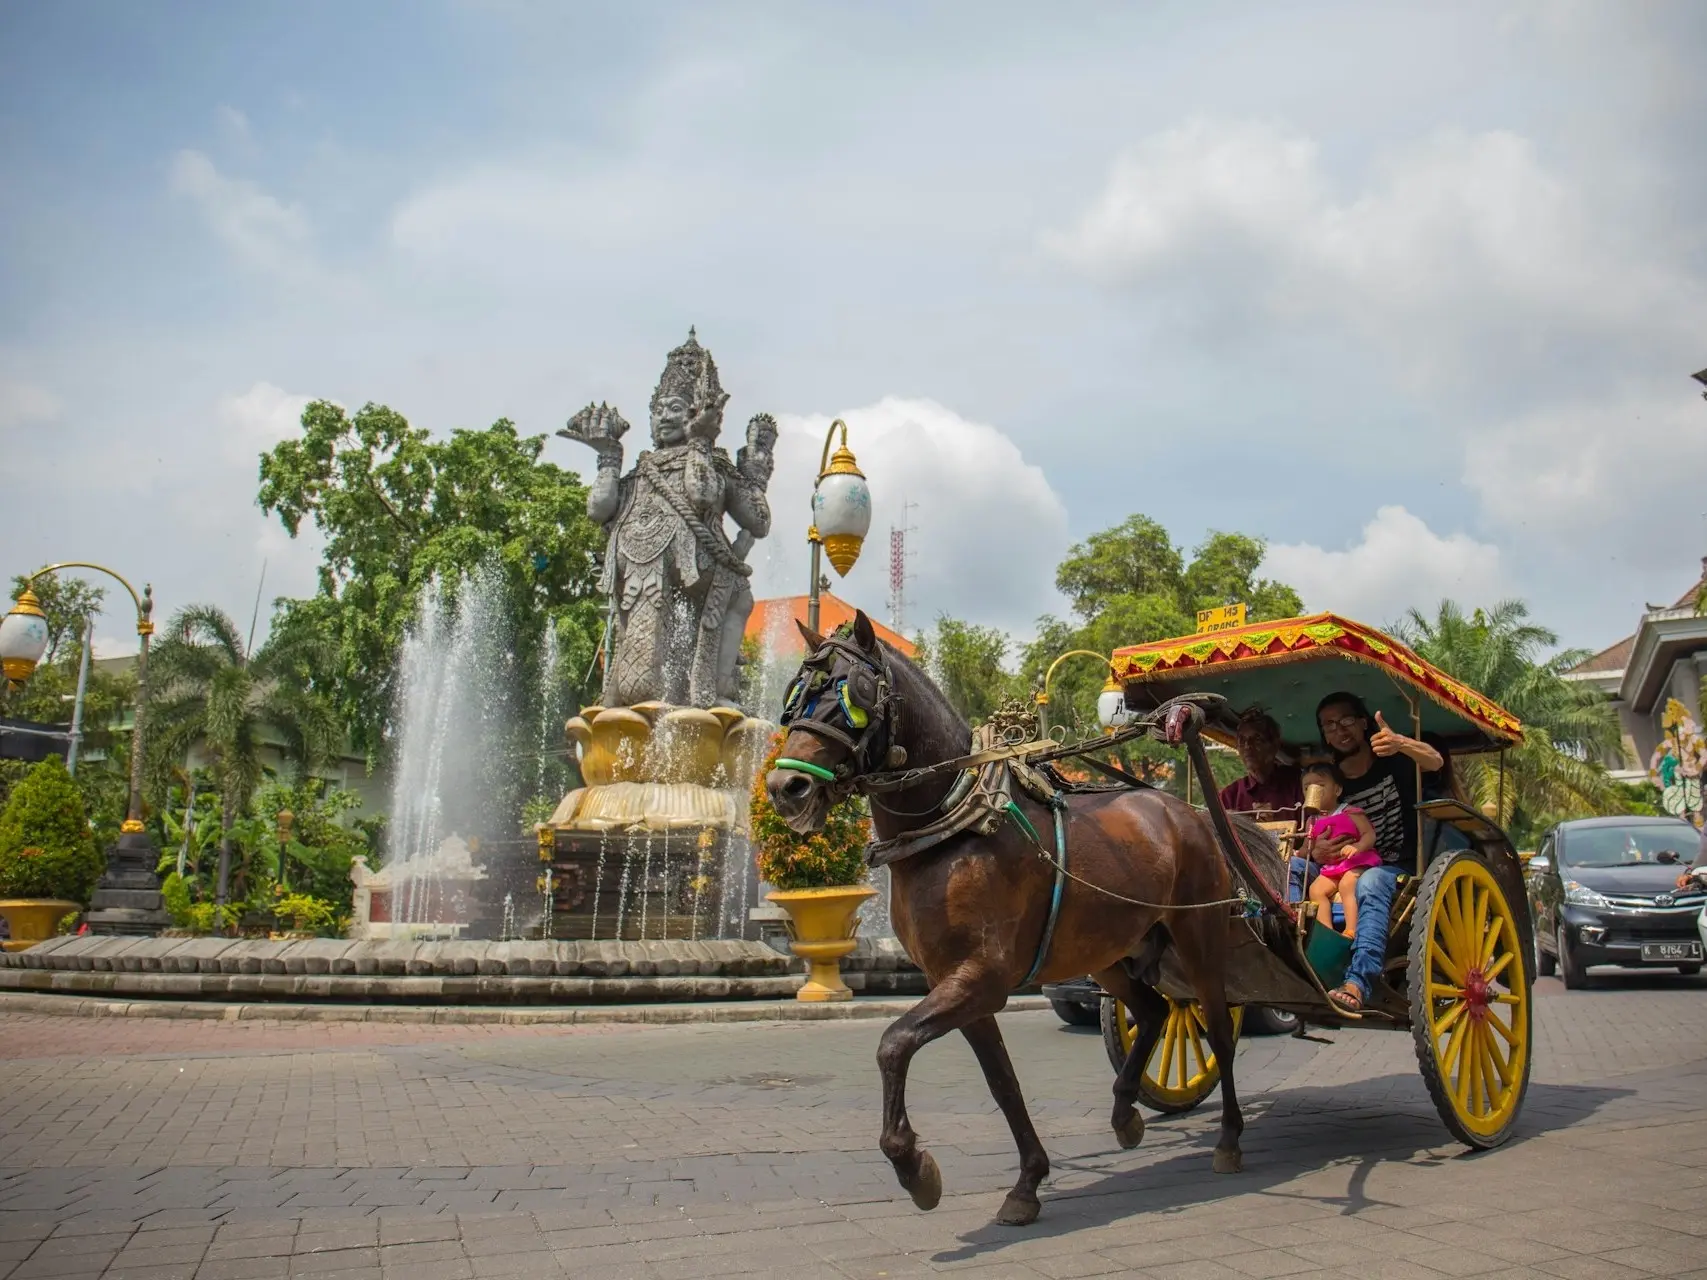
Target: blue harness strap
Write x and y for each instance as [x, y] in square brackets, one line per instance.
[1059, 807]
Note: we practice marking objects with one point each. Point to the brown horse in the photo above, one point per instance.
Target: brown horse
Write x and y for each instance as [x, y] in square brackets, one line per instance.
[972, 911]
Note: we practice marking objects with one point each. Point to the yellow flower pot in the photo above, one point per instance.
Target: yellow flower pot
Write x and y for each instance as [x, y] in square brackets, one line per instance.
[824, 922]
[33, 920]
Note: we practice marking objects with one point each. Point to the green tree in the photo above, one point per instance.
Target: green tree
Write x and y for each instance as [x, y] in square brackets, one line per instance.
[210, 693]
[1132, 585]
[966, 661]
[1223, 570]
[399, 510]
[1556, 773]
[46, 847]
[1136, 557]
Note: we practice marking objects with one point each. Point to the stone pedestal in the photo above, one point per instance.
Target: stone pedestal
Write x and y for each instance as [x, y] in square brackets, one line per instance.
[127, 898]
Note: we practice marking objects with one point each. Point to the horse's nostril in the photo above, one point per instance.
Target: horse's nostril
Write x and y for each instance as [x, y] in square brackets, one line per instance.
[798, 787]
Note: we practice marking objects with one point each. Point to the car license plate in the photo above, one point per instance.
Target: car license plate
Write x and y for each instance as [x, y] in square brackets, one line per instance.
[1671, 951]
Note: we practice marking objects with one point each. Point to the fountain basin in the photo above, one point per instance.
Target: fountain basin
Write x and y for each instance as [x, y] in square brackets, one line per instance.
[403, 970]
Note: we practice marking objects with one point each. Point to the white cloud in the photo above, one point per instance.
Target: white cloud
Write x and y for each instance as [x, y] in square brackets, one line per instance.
[1616, 474]
[1460, 253]
[986, 527]
[1400, 563]
[23, 404]
[234, 124]
[258, 419]
[260, 229]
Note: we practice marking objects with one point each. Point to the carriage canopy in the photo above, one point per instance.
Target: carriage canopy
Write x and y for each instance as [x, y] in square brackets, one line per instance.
[1288, 667]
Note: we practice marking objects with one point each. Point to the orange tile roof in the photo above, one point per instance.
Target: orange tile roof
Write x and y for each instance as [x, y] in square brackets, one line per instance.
[773, 621]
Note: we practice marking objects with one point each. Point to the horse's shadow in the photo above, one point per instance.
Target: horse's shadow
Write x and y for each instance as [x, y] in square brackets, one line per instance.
[1303, 1131]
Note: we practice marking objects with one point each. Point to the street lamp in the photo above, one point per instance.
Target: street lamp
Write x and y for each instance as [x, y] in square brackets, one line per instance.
[127, 897]
[284, 818]
[841, 515]
[1111, 702]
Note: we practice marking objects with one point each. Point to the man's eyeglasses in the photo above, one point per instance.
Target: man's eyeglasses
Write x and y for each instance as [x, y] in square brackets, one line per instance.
[1343, 723]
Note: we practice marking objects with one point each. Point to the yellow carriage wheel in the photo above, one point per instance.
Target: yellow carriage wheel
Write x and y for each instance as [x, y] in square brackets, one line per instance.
[1182, 1070]
[1470, 1011]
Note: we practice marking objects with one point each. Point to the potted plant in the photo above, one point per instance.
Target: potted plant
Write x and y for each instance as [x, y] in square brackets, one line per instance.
[48, 860]
[820, 882]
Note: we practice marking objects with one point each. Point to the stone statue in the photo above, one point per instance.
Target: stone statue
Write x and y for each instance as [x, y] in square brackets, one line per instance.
[678, 584]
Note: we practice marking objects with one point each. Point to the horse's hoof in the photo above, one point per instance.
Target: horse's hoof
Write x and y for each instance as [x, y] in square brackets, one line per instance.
[1130, 1132]
[1229, 1161]
[926, 1186]
[1018, 1210]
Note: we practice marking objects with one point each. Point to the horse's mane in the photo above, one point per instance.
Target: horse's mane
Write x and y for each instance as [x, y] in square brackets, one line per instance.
[941, 713]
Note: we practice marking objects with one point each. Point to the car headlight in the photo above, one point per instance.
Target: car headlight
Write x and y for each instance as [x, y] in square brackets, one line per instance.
[1580, 895]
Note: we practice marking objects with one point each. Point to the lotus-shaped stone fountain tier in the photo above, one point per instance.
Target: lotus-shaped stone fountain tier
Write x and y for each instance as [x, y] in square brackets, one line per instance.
[654, 767]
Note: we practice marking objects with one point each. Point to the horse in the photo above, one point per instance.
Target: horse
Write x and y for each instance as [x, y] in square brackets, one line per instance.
[973, 910]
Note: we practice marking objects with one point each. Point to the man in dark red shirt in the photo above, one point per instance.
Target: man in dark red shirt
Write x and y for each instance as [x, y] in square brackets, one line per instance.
[1268, 785]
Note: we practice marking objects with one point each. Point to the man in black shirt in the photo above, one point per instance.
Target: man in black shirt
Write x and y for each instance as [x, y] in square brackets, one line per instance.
[1380, 770]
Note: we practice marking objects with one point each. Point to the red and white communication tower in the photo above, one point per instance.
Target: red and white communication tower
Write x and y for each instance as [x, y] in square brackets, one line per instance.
[898, 572]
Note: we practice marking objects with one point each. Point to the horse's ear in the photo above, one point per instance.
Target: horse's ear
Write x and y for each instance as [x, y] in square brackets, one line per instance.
[814, 641]
[864, 636]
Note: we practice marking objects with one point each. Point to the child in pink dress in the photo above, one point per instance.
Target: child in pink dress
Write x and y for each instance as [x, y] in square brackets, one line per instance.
[1343, 840]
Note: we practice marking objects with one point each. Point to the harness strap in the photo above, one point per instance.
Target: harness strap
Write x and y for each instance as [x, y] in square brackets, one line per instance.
[1059, 807]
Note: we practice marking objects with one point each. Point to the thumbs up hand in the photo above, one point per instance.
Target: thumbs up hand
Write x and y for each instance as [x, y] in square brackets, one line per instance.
[1384, 742]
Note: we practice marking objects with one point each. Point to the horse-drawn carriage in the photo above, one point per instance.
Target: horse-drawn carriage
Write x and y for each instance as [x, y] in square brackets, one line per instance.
[1006, 871]
[1459, 950]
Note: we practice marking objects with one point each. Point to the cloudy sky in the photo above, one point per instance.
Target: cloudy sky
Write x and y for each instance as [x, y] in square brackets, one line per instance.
[1412, 293]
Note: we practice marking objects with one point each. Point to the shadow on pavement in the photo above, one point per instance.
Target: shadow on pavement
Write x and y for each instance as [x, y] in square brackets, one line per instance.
[1303, 1131]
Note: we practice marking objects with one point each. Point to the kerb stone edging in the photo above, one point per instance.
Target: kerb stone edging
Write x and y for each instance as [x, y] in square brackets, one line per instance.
[747, 1011]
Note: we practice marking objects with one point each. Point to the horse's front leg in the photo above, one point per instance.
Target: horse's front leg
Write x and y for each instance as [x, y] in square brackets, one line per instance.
[954, 1003]
[1021, 1207]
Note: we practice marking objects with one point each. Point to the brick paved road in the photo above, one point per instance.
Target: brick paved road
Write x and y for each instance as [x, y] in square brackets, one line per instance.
[153, 1148]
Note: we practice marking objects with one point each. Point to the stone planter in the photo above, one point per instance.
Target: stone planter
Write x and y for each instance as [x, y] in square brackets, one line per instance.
[33, 920]
[823, 932]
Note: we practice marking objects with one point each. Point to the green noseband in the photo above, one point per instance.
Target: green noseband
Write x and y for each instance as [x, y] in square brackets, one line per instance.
[816, 770]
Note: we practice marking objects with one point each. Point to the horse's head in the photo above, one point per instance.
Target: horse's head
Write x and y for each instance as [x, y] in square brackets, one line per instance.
[842, 714]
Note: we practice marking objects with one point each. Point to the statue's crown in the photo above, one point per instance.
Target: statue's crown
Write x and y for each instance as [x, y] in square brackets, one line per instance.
[691, 374]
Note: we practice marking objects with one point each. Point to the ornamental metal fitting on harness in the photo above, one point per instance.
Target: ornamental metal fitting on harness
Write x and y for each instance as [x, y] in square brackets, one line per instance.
[863, 698]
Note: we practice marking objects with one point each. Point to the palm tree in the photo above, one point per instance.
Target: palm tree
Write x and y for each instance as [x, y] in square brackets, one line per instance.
[211, 691]
[1556, 773]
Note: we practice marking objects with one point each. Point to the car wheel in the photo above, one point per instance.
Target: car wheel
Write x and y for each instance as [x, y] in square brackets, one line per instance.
[1569, 969]
[1544, 963]
[1689, 970]
[1270, 1022]
[1073, 1014]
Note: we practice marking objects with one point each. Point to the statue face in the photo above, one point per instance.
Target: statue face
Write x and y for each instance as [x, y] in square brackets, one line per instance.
[670, 421]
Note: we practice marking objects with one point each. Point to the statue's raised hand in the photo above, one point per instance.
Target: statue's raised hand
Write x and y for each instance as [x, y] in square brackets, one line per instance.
[754, 459]
[600, 428]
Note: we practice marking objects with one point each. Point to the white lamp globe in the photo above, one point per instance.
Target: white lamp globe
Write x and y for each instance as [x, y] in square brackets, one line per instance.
[1111, 706]
[841, 510]
[23, 638]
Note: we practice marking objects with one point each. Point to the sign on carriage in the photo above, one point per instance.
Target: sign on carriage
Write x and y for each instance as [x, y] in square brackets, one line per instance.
[1223, 618]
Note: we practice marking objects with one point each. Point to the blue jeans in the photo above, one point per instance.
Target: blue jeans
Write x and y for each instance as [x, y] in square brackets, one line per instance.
[1375, 890]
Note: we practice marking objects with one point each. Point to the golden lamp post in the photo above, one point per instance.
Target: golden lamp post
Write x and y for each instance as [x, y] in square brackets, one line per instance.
[841, 515]
[1111, 702]
[127, 898]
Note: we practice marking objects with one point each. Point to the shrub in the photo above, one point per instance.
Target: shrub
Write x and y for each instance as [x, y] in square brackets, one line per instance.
[46, 848]
[829, 858]
[305, 912]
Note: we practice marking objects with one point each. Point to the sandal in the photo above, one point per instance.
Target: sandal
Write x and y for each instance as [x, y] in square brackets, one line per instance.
[1346, 998]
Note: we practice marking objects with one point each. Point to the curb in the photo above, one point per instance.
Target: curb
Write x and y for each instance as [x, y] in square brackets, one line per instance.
[461, 1015]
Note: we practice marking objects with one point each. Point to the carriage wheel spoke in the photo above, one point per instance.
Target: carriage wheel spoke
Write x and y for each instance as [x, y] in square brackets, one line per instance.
[1441, 960]
[1197, 1044]
[1184, 1048]
[1493, 968]
[1449, 1019]
[1454, 1047]
[1505, 1031]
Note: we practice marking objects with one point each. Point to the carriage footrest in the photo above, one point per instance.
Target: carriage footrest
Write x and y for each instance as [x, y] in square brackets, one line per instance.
[1327, 953]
